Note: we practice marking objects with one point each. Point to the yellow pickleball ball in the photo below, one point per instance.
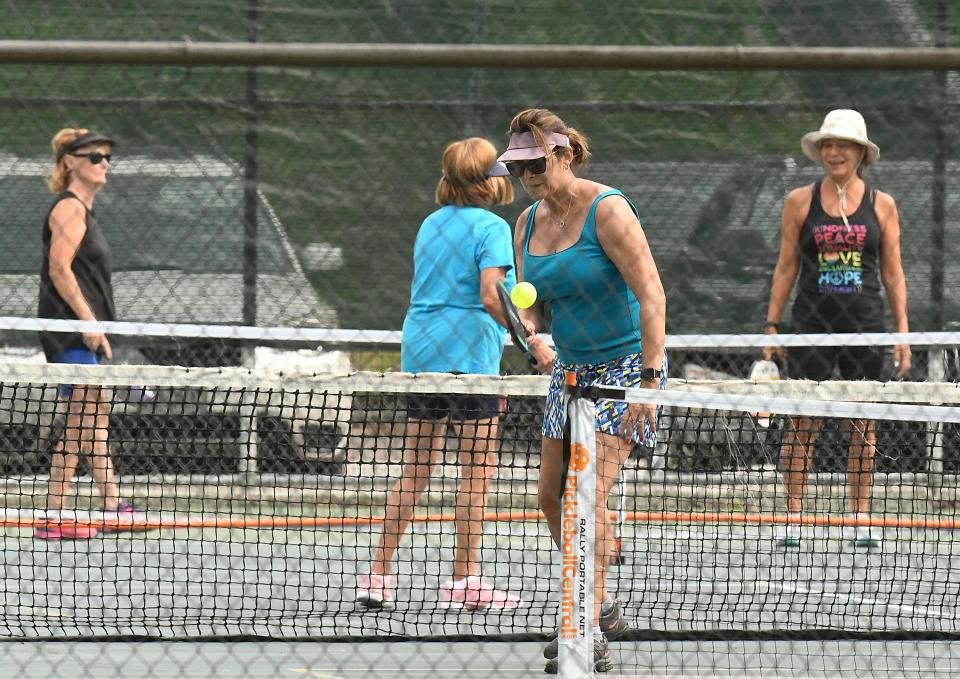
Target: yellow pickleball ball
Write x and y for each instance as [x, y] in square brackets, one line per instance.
[523, 295]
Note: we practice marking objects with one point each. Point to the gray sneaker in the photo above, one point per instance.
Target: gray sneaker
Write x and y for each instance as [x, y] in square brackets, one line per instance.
[601, 657]
[866, 537]
[788, 536]
[612, 625]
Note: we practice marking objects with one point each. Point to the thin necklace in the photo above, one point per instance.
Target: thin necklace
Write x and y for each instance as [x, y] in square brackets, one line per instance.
[562, 221]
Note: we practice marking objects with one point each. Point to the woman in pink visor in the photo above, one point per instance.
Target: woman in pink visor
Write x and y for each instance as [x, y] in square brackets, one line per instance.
[581, 245]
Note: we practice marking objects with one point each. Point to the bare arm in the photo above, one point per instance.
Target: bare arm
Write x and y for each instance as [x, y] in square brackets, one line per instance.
[891, 273]
[67, 229]
[624, 242]
[489, 277]
[795, 209]
[891, 267]
[622, 239]
[788, 263]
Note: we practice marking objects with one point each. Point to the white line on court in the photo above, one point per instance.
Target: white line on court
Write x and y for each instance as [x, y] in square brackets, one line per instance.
[738, 674]
[306, 671]
[912, 611]
[858, 600]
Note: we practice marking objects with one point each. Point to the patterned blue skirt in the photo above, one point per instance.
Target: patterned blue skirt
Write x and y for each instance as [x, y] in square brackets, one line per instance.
[619, 372]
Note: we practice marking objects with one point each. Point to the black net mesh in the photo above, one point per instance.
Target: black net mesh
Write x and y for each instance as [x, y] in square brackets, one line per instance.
[257, 501]
[347, 159]
[291, 197]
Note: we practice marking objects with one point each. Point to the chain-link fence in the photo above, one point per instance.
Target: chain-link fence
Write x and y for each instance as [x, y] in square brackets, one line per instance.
[292, 197]
[345, 160]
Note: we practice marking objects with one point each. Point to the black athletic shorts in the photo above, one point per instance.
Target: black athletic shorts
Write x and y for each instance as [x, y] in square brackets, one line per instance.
[817, 363]
[457, 408]
[836, 316]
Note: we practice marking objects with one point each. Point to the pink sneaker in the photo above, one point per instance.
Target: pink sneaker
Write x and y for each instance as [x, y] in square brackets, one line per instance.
[375, 591]
[475, 593]
[66, 532]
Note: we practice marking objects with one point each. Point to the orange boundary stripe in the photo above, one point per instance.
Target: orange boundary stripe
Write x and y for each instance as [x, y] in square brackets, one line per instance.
[745, 518]
[640, 517]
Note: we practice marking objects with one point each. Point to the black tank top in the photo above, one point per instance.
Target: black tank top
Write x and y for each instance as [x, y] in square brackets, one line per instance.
[839, 286]
[92, 268]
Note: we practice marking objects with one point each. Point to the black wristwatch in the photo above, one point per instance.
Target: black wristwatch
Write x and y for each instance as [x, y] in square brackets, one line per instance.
[651, 374]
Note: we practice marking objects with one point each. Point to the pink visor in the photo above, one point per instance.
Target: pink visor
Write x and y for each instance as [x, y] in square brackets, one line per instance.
[524, 146]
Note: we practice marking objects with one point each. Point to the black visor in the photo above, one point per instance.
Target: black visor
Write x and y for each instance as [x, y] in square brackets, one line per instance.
[84, 140]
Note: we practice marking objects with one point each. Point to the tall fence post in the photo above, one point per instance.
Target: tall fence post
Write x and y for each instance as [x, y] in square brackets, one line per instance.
[250, 177]
[938, 190]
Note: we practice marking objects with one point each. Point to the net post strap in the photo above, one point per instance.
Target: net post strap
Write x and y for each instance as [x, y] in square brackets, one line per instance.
[578, 535]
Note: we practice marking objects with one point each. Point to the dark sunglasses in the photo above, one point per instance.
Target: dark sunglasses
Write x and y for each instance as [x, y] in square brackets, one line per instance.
[536, 166]
[95, 157]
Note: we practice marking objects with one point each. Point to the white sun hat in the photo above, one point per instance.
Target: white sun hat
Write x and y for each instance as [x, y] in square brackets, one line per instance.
[842, 123]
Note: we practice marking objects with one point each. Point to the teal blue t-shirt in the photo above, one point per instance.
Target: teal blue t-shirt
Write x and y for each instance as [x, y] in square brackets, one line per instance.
[596, 316]
[447, 328]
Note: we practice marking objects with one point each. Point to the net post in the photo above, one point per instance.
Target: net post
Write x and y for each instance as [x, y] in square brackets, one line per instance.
[935, 436]
[578, 533]
[249, 438]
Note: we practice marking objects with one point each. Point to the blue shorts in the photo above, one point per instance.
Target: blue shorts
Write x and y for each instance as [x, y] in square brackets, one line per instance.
[77, 357]
[619, 372]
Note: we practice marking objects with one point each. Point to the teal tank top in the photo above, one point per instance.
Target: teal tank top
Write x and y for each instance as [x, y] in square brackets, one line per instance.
[596, 317]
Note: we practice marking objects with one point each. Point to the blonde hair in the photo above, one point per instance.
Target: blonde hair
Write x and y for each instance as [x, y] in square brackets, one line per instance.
[464, 164]
[58, 176]
[540, 121]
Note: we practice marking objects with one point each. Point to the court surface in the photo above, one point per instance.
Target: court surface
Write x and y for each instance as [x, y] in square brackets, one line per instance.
[682, 660]
[296, 585]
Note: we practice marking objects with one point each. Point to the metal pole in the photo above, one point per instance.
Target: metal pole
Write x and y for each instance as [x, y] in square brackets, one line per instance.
[250, 179]
[938, 190]
[381, 55]
[938, 199]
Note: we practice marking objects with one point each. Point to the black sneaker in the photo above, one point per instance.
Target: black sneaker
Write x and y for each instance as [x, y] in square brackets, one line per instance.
[612, 625]
[601, 657]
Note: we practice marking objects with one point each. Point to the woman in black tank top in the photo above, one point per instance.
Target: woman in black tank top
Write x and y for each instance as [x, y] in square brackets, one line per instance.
[839, 240]
[75, 283]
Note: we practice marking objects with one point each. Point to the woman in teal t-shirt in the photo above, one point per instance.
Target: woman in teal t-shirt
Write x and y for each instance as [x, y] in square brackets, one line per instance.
[581, 245]
[454, 325]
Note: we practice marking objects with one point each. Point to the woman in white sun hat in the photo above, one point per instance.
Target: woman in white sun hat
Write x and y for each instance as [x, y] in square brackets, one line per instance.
[843, 238]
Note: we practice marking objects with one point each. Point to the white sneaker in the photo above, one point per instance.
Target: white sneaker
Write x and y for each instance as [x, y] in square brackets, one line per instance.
[475, 593]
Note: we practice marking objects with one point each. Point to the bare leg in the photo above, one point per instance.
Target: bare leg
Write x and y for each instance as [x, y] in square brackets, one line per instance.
[62, 468]
[797, 456]
[424, 443]
[549, 487]
[612, 453]
[67, 455]
[96, 417]
[860, 461]
[478, 463]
